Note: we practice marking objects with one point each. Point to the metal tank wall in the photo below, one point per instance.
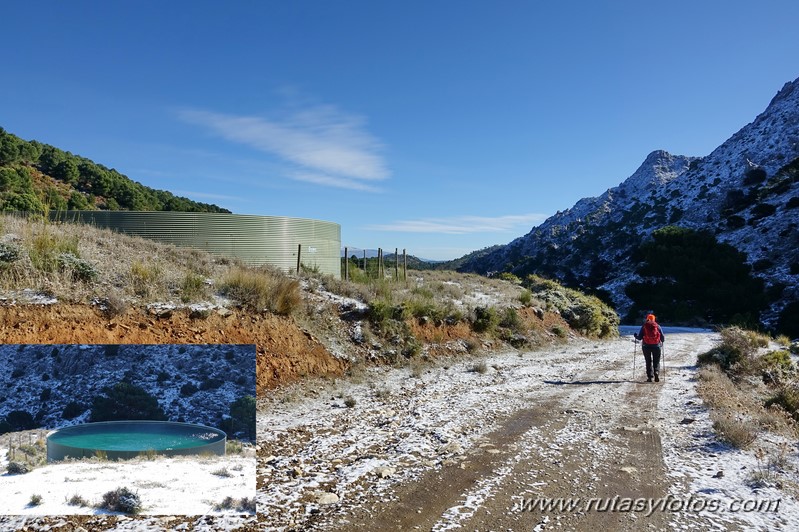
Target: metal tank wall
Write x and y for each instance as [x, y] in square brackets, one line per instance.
[256, 240]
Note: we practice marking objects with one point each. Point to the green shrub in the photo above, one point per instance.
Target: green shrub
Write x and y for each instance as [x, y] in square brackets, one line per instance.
[507, 276]
[192, 288]
[45, 249]
[762, 210]
[72, 410]
[9, 253]
[787, 398]
[222, 472]
[17, 468]
[122, 500]
[510, 320]
[35, 500]
[735, 353]
[144, 277]
[692, 276]
[125, 401]
[77, 500]
[242, 414]
[188, 389]
[423, 308]
[20, 420]
[788, 323]
[526, 297]
[381, 311]
[211, 383]
[777, 360]
[486, 320]
[585, 313]
[80, 269]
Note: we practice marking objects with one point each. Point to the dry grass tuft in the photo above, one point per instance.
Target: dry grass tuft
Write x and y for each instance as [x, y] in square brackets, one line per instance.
[145, 278]
[263, 289]
[193, 288]
[738, 433]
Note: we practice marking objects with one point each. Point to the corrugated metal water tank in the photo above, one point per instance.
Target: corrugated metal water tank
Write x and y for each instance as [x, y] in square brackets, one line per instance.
[256, 240]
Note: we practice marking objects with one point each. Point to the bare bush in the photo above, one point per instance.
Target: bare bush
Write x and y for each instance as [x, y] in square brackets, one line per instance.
[738, 433]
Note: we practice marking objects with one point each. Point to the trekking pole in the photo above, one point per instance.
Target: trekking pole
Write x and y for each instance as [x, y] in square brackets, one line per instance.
[635, 349]
[663, 358]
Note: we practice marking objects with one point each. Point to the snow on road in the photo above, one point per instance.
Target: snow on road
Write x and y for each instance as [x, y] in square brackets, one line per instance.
[335, 453]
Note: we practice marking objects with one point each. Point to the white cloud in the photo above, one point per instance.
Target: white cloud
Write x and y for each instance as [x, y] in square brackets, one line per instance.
[320, 141]
[332, 181]
[459, 225]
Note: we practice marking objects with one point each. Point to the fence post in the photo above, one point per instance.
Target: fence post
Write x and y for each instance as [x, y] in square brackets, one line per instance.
[404, 265]
[396, 264]
[299, 257]
[346, 264]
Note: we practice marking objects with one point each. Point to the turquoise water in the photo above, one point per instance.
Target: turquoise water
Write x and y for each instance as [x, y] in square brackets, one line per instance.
[126, 439]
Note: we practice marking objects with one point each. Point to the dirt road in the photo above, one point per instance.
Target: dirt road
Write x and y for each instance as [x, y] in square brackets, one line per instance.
[560, 439]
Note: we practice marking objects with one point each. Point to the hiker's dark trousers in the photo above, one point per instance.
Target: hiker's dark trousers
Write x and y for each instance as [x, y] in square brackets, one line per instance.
[652, 356]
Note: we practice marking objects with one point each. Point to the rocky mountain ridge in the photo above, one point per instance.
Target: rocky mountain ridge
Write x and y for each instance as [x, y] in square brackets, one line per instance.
[745, 192]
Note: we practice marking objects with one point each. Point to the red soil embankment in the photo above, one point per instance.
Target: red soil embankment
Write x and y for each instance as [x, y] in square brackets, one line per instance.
[284, 352]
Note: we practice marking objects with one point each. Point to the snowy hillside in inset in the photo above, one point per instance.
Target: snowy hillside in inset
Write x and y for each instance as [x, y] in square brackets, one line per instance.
[56, 384]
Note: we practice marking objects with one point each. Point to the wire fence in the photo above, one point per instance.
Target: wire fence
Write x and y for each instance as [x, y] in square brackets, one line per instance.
[374, 264]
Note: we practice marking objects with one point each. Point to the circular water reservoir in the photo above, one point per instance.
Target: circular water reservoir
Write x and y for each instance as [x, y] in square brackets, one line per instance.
[119, 440]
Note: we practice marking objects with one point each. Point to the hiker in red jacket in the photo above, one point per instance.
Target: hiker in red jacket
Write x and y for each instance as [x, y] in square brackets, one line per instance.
[651, 336]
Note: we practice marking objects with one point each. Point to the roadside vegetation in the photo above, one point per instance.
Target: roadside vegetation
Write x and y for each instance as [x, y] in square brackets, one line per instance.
[751, 385]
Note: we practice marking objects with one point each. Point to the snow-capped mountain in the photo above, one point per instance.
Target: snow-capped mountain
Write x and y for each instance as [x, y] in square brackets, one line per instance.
[192, 383]
[746, 192]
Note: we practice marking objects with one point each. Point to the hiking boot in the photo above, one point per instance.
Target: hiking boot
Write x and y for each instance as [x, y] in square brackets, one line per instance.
[657, 379]
[649, 379]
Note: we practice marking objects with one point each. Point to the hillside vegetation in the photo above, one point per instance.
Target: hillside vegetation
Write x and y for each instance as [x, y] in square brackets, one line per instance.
[364, 320]
[36, 177]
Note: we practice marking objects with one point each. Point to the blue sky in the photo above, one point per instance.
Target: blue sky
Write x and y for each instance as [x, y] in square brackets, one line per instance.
[441, 127]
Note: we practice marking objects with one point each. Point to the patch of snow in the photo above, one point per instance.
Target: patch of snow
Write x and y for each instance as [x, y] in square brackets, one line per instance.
[166, 485]
[26, 296]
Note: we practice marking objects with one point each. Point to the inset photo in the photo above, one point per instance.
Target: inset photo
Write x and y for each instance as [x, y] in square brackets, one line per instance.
[127, 429]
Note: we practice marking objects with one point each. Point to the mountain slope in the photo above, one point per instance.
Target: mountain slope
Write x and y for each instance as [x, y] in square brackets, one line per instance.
[192, 383]
[745, 192]
[36, 177]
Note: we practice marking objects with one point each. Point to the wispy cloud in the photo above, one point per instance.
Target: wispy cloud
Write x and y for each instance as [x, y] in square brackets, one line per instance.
[332, 181]
[460, 225]
[320, 143]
